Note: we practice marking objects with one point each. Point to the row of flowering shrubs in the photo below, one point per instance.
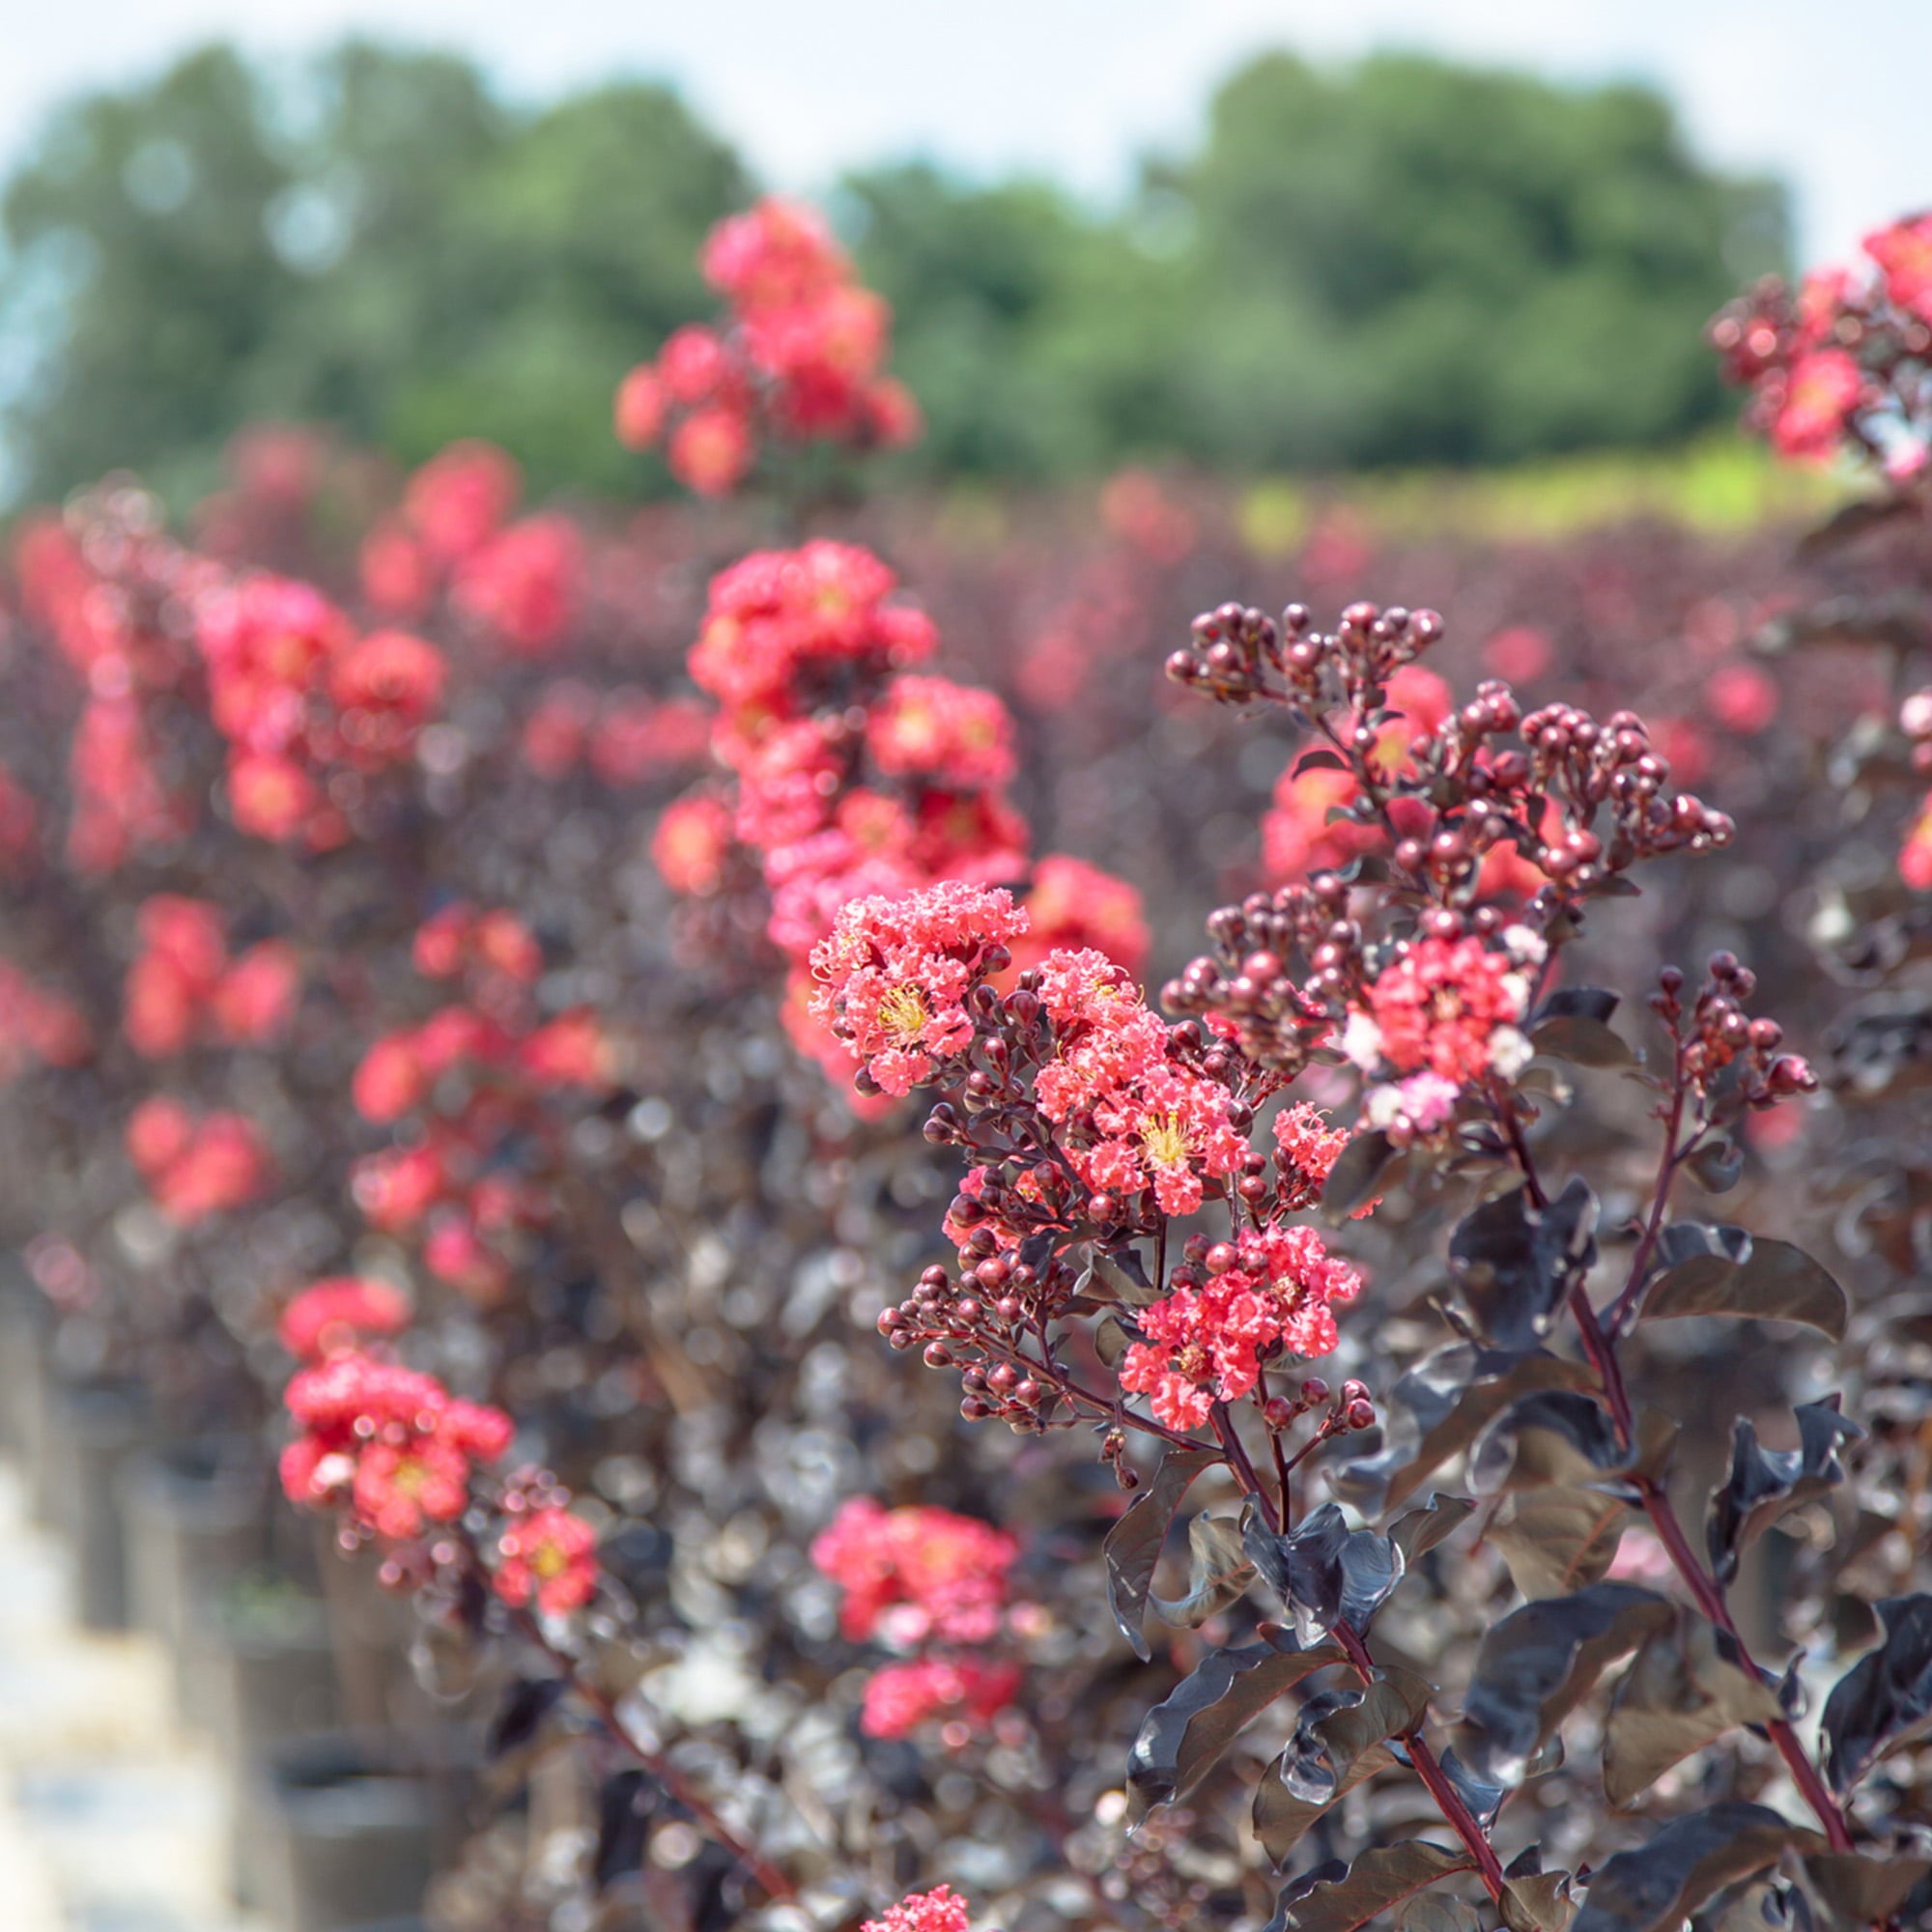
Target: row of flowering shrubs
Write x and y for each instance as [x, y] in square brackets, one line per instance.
[501, 1005]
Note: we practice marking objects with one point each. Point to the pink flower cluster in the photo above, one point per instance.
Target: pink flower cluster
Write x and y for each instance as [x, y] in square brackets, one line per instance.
[519, 584]
[1211, 1343]
[919, 1577]
[196, 1166]
[800, 356]
[546, 1556]
[941, 1910]
[853, 776]
[311, 711]
[1449, 1008]
[184, 986]
[894, 976]
[470, 1174]
[336, 1317]
[1157, 1122]
[388, 1448]
[623, 736]
[38, 1026]
[1845, 364]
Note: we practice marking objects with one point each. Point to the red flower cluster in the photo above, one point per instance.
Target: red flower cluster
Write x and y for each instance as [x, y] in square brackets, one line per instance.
[1844, 365]
[520, 585]
[939, 1911]
[1445, 1007]
[196, 1166]
[799, 357]
[38, 1026]
[1156, 1122]
[309, 709]
[625, 737]
[1271, 1291]
[916, 1576]
[855, 780]
[337, 1315]
[473, 1178]
[184, 987]
[895, 973]
[962, 1691]
[388, 1448]
[547, 1556]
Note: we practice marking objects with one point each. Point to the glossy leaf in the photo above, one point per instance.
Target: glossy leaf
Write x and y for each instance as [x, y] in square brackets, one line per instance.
[1340, 1742]
[1866, 1891]
[1439, 1911]
[1538, 1902]
[1573, 1024]
[1324, 1571]
[1420, 1530]
[1181, 1739]
[1354, 1180]
[1132, 1549]
[1885, 1695]
[1764, 1484]
[1656, 1886]
[1724, 1270]
[1439, 1409]
[1681, 1693]
[1555, 1435]
[1218, 1574]
[1515, 1263]
[1535, 1667]
[1559, 1539]
[1341, 1900]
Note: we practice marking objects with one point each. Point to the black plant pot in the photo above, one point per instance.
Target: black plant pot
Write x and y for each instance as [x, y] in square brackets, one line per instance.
[347, 1831]
[196, 1515]
[89, 1430]
[23, 1359]
[269, 1670]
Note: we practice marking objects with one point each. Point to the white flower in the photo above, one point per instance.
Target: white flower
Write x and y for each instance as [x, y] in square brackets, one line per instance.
[1510, 1051]
[1516, 986]
[1362, 1040]
[1382, 1106]
[1525, 946]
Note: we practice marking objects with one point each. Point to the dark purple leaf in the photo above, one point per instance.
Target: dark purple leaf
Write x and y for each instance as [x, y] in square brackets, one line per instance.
[1132, 1548]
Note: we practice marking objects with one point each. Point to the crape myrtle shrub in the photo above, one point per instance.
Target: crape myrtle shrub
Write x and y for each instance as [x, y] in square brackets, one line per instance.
[417, 954]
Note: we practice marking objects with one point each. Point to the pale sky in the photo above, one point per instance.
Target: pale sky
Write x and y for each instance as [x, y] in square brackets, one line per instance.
[1834, 98]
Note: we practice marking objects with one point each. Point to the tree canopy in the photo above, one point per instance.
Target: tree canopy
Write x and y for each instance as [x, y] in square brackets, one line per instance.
[1395, 261]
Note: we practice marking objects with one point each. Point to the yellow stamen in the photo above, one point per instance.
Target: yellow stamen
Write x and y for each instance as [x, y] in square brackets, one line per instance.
[902, 1011]
[1165, 1139]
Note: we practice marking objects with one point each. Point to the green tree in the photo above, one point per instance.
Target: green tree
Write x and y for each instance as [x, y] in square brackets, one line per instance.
[380, 244]
[1411, 259]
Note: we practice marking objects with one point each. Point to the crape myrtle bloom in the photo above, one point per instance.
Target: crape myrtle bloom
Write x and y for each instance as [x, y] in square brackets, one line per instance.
[941, 1910]
[894, 976]
[1211, 1342]
[775, 615]
[337, 1315]
[800, 355]
[914, 1574]
[388, 1447]
[953, 736]
[1450, 1008]
[965, 1690]
[38, 1026]
[547, 1556]
[1843, 365]
[196, 1166]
